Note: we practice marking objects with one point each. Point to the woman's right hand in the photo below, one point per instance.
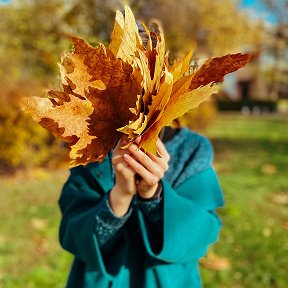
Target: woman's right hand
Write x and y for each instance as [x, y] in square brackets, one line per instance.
[122, 193]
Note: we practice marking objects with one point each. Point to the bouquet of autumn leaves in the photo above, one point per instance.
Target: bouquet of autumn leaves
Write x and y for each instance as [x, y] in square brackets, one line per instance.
[128, 87]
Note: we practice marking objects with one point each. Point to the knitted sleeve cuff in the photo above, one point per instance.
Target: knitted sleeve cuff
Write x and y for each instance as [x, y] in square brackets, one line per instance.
[107, 222]
[152, 208]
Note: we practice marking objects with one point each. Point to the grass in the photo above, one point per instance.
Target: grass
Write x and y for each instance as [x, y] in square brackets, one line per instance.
[30, 255]
[252, 164]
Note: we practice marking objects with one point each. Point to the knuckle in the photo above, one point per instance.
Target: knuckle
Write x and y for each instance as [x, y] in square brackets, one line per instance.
[115, 159]
[126, 175]
[118, 168]
[161, 174]
[166, 167]
[152, 181]
[145, 160]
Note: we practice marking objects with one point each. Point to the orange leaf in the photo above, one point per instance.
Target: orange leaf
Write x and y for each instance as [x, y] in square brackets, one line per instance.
[94, 77]
[67, 121]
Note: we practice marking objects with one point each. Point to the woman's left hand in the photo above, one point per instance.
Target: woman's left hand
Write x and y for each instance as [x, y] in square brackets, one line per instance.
[149, 167]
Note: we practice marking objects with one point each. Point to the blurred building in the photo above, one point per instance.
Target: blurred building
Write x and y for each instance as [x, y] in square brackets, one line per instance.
[266, 78]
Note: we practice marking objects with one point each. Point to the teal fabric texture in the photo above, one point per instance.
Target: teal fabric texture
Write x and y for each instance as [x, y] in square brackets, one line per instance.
[143, 253]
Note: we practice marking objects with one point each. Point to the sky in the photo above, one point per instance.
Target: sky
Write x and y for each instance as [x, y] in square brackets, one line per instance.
[259, 10]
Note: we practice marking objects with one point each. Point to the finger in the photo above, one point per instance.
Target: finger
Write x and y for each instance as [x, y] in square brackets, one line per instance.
[123, 140]
[116, 159]
[146, 176]
[146, 161]
[138, 139]
[124, 169]
[159, 160]
[162, 150]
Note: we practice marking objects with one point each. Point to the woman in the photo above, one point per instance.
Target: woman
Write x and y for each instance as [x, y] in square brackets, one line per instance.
[139, 220]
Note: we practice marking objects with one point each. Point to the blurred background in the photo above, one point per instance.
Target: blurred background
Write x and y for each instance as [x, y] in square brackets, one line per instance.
[246, 122]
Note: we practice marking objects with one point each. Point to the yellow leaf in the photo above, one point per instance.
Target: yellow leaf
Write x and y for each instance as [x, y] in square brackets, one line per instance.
[125, 37]
[160, 58]
[160, 100]
[180, 66]
[176, 107]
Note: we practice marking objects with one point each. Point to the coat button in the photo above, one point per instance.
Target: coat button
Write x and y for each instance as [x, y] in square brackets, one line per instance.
[99, 175]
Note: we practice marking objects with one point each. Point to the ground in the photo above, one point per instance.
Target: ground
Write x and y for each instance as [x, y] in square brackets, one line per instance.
[252, 164]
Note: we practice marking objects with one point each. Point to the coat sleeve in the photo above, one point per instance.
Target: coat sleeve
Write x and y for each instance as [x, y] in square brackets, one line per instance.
[80, 202]
[190, 223]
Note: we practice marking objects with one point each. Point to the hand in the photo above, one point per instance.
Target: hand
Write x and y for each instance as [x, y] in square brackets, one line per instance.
[125, 188]
[149, 167]
[125, 176]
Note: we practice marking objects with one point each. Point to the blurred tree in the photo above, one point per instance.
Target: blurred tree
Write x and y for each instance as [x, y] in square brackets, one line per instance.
[30, 45]
[279, 8]
[37, 27]
[277, 47]
[217, 27]
[32, 38]
[24, 143]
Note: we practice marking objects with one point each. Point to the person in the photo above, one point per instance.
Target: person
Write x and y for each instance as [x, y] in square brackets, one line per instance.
[141, 220]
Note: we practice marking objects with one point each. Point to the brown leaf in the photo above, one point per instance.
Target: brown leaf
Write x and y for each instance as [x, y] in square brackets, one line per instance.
[111, 106]
[214, 70]
[269, 169]
[92, 78]
[159, 59]
[160, 100]
[215, 262]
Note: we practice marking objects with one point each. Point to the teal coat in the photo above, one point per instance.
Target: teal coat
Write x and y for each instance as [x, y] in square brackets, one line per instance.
[190, 225]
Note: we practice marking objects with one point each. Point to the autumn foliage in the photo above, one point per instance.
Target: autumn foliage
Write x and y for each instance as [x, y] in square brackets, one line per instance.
[128, 87]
